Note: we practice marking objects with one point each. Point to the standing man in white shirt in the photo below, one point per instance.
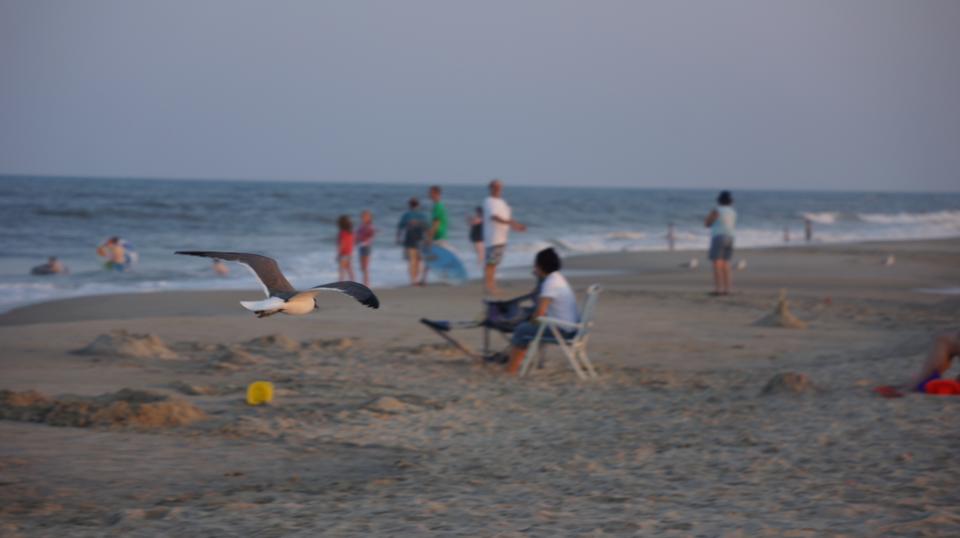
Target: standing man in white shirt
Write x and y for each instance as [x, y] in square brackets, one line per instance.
[497, 223]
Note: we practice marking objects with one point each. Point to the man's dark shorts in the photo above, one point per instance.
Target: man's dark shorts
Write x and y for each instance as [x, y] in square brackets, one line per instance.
[721, 248]
[494, 254]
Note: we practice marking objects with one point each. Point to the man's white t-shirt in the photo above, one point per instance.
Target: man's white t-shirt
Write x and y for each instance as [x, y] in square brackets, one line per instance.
[495, 233]
[564, 303]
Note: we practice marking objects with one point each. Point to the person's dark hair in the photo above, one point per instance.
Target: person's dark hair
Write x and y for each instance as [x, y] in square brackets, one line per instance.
[548, 260]
[479, 210]
[344, 223]
[413, 203]
[725, 198]
[436, 188]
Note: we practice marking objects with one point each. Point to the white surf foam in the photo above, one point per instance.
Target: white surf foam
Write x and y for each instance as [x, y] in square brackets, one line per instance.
[934, 217]
[825, 217]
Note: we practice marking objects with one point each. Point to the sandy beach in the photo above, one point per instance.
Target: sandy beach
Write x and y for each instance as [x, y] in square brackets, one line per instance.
[379, 428]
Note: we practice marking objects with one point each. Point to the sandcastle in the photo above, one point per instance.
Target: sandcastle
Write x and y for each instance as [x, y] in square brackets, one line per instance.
[781, 316]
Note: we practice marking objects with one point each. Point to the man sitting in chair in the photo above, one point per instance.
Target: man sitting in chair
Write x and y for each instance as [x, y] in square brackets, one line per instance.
[557, 300]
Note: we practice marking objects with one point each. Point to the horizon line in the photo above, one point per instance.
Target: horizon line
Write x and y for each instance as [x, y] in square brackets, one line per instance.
[462, 183]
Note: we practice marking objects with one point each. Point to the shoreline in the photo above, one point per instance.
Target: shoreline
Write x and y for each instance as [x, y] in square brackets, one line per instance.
[663, 266]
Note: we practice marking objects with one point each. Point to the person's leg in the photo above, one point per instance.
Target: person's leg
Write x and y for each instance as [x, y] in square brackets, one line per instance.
[365, 268]
[478, 246]
[494, 255]
[348, 262]
[424, 268]
[727, 278]
[945, 347]
[715, 261]
[523, 334]
[516, 359]
[717, 276]
[414, 257]
[490, 278]
[340, 268]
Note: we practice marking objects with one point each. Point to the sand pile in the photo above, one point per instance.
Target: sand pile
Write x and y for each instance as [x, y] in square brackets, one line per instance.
[235, 355]
[273, 342]
[781, 316]
[195, 390]
[435, 350]
[120, 343]
[789, 383]
[333, 344]
[127, 407]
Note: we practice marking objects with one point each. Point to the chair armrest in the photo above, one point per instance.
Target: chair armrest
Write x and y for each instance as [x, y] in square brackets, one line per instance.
[558, 322]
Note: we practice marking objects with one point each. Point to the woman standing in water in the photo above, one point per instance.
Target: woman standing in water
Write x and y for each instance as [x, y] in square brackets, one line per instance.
[365, 234]
[721, 221]
[411, 230]
[475, 222]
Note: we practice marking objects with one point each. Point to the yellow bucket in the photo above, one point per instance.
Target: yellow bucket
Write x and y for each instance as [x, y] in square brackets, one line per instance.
[259, 392]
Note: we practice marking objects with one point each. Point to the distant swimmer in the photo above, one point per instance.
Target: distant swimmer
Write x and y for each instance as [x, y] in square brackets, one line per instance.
[281, 295]
[118, 253]
[220, 268]
[52, 267]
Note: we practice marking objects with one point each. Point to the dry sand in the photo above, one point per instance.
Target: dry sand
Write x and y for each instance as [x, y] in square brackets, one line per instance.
[378, 428]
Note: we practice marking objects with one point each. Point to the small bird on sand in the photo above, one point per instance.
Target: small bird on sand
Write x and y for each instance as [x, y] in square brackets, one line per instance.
[889, 260]
[741, 265]
[281, 296]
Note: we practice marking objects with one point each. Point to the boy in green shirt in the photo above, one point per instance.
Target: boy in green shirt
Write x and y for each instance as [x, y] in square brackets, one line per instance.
[438, 226]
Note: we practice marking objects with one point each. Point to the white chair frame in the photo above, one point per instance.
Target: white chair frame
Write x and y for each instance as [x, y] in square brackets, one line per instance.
[575, 347]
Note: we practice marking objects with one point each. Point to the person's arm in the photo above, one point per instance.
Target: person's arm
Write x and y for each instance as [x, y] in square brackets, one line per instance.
[542, 307]
[401, 226]
[711, 218]
[509, 222]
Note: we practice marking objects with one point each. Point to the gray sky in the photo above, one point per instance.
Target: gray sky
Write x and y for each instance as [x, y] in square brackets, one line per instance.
[844, 94]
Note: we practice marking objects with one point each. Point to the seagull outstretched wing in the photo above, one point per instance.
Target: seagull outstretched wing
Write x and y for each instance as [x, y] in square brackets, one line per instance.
[358, 291]
[266, 269]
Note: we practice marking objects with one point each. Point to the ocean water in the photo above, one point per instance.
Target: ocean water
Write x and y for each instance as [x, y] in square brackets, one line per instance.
[295, 223]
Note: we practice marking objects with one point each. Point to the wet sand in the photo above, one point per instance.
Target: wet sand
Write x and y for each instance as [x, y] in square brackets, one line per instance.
[378, 428]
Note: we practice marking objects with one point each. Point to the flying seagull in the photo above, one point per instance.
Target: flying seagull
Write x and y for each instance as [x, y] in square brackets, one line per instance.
[281, 296]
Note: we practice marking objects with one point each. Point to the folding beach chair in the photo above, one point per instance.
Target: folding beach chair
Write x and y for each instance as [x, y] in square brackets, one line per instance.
[574, 347]
[499, 316]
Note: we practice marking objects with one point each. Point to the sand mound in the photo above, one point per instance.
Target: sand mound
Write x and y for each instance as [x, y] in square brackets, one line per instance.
[127, 407]
[27, 406]
[429, 350]
[781, 316]
[335, 344]
[194, 390]
[788, 383]
[236, 355]
[120, 343]
[261, 427]
[279, 342]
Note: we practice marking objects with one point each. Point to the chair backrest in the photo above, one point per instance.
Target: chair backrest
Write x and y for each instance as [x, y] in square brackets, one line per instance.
[586, 315]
